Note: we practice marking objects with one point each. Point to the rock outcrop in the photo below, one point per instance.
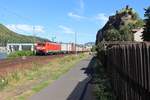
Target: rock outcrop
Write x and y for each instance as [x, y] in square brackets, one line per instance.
[121, 18]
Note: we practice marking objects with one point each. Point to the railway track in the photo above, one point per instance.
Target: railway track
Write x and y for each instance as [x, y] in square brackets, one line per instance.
[9, 65]
[5, 63]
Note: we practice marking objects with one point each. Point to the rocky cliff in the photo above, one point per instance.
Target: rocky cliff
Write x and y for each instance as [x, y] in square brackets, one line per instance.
[126, 17]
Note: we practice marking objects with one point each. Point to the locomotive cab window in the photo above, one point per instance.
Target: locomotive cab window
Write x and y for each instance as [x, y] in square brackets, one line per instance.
[41, 44]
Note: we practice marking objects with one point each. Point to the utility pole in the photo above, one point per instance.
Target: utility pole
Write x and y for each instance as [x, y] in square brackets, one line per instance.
[75, 43]
[34, 39]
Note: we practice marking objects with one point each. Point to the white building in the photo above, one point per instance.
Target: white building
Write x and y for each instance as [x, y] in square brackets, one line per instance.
[138, 34]
[11, 47]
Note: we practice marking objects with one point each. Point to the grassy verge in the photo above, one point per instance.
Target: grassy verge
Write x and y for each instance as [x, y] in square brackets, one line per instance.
[20, 54]
[23, 83]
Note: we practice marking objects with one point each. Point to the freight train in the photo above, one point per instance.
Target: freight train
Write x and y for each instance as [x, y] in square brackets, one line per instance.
[57, 48]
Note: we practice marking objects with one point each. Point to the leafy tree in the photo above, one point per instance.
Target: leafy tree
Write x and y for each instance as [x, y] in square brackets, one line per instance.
[146, 32]
[93, 48]
[139, 23]
[126, 34]
[112, 35]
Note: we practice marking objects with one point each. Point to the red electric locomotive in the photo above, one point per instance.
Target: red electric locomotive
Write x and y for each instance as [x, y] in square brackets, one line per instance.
[47, 48]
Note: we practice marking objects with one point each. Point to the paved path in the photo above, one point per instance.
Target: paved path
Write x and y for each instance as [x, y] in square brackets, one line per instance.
[69, 86]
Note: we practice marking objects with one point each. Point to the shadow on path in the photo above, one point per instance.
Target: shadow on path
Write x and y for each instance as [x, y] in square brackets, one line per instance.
[82, 87]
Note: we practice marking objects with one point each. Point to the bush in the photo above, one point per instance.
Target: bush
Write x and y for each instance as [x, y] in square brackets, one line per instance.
[103, 89]
[3, 83]
[21, 53]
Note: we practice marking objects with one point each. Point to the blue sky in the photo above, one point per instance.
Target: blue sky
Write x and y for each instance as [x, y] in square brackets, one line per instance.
[62, 18]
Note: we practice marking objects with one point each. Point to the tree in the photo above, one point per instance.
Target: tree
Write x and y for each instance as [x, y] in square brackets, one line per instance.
[126, 34]
[112, 35]
[146, 32]
[93, 48]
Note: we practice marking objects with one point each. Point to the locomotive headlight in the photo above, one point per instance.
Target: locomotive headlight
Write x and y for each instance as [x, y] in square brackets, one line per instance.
[43, 47]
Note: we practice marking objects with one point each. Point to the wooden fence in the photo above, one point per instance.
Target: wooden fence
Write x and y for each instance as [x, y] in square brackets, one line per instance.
[128, 65]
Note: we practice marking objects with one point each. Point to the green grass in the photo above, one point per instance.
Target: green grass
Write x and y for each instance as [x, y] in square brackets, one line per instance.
[20, 54]
[40, 86]
[43, 74]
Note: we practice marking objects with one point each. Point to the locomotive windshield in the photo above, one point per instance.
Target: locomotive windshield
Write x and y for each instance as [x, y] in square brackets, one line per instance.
[41, 44]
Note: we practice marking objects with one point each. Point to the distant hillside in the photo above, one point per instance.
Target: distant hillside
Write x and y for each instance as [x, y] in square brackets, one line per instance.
[119, 26]
[89, 44]
[8, 36]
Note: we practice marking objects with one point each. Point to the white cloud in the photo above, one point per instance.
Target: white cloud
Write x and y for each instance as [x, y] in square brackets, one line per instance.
[78, 11]
[66, 29]
[39, 28]
[102, 18]
[76, 16]
[25, 28]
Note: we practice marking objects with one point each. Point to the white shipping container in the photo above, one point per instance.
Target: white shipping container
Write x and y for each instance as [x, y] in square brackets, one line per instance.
[69, 47]
[80, 49]
[64, 47]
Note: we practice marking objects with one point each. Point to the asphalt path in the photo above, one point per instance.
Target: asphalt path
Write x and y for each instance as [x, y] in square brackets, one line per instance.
[70, 86]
